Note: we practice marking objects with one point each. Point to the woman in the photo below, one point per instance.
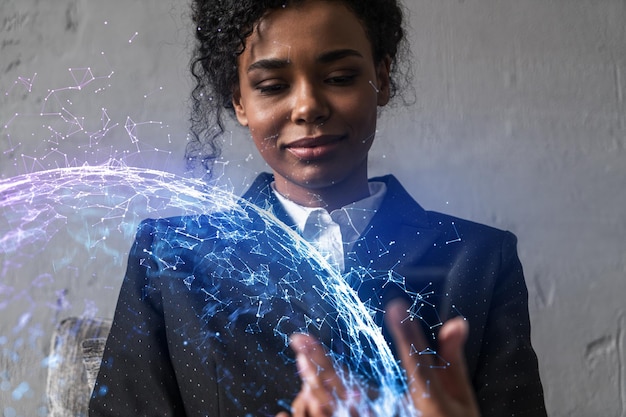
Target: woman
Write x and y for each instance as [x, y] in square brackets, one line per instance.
[209, 302]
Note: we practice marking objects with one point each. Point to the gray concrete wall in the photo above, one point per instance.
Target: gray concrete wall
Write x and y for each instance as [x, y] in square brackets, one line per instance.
[520, 122]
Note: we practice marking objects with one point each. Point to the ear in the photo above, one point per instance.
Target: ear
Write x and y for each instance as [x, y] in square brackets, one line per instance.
[240, 110]
[383, 80]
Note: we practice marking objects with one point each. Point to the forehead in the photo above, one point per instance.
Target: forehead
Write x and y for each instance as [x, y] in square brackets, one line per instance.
[310, 26]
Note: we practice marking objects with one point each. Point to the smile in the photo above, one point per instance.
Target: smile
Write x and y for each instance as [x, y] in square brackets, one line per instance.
[312, 148]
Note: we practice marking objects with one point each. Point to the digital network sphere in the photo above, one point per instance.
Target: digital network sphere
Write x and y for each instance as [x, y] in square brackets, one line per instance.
[71, 228]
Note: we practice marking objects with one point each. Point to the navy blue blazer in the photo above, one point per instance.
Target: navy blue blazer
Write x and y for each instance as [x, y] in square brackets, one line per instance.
[208, 302]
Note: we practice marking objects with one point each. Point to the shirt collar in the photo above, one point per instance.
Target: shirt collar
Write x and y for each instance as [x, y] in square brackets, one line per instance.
[352, 218]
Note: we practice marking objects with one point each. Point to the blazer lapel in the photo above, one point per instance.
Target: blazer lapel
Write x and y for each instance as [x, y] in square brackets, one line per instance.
[261, 195]
[398, 235]
[393, 260]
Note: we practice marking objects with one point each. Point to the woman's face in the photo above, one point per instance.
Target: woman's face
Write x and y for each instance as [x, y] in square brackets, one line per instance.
[308, 91]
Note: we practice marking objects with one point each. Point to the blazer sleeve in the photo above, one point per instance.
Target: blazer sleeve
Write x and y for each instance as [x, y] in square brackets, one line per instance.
[507, 376]
[136, 377]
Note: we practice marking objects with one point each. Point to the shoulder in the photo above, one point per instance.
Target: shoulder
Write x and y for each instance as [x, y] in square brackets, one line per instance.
[399, 206]
[467, 228]
[234, 223]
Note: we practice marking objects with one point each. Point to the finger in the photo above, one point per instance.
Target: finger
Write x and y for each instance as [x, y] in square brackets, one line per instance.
[452, 337]
[283, 414]
[313, 403]
[320, 383]
[410, 342]
[314, 366]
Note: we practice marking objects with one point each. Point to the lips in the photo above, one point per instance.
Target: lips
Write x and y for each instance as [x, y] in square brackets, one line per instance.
[311, 148]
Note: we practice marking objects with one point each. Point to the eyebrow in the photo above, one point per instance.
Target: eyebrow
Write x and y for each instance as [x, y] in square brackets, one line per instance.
[324, 58]
[268, 64]
[338, 54]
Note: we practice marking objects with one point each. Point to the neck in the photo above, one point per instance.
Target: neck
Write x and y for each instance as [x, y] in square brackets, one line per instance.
[330, 197]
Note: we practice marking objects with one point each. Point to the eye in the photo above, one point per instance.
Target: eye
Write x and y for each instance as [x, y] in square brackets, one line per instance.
[345, 78]
[271, 87]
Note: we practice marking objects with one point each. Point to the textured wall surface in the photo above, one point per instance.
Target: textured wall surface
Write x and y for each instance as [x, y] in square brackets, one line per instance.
[520, 122]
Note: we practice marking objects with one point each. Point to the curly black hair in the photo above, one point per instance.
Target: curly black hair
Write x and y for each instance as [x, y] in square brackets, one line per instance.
[222, 27]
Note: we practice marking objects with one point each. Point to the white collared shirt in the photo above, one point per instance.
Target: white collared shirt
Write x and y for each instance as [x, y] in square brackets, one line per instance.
[335, 232]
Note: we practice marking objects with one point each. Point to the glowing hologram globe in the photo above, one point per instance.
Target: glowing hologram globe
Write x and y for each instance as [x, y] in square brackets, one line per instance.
[62, 228]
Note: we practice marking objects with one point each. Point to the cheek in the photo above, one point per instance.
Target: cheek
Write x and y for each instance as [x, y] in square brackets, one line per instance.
[359, 105]
[362, 117]
[265, 121]
[264, 141]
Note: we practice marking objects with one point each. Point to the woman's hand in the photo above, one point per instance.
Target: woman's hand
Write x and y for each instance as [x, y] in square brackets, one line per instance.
[434, 392]
[321, 386]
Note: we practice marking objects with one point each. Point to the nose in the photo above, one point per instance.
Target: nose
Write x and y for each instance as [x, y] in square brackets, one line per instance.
[310, 106]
